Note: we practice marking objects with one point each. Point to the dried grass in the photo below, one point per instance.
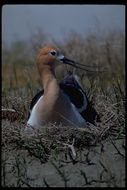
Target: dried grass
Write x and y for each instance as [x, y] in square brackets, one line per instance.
[41, 142]
[105, 90]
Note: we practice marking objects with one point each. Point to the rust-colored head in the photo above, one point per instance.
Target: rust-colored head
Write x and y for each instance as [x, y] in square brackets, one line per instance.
[47, 57]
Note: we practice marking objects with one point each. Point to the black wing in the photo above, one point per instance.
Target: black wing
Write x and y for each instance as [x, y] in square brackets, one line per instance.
[75, 95]
[78, 97]
[34, 100]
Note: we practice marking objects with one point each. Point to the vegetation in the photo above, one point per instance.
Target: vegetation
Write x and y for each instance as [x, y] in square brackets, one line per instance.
[106, 90]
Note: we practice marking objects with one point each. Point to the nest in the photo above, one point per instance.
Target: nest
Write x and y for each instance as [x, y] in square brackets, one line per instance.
[41, 142]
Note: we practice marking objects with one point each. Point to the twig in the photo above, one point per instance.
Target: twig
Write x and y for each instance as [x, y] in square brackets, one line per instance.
[88, 161]
[45, 182]
[116, 148]
[85, 177]
[105, 169]
[60, 173]
[71, 147]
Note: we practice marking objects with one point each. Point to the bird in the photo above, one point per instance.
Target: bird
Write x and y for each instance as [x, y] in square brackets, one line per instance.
[63, 103]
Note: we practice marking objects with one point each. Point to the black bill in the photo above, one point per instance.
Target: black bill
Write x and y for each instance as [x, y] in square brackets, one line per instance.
[81, 66]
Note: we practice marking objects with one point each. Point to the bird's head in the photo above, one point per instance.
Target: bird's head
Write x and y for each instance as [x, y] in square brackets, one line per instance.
[50, 54]
[47, 57]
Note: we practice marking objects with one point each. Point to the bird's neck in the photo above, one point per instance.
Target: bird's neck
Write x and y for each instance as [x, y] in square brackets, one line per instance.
[49, 82]
[50, 96]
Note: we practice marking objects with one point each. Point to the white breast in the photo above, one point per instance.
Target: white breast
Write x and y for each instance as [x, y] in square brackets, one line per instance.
[65, 112]
[33, 119]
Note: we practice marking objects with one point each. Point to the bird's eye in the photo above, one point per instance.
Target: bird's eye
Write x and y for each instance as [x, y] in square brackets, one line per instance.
[53, 53]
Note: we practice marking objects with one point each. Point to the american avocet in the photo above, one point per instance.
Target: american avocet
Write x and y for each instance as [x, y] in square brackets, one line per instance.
[65, 102]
